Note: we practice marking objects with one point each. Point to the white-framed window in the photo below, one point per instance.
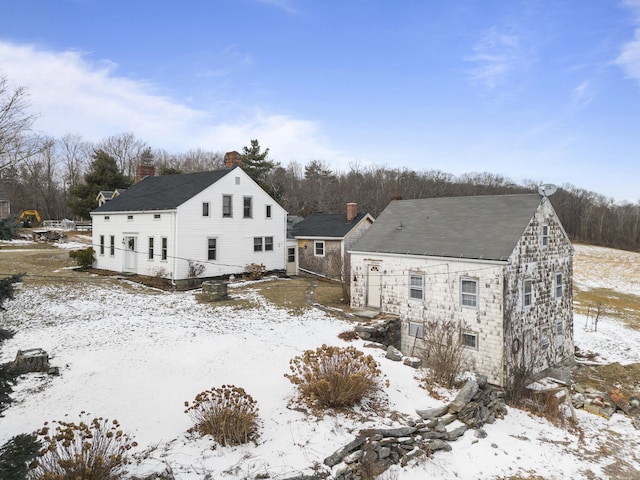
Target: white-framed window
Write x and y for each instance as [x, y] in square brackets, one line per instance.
[416, 286]
[165, 244]
[106, 218]
[291, 254]
[558, 285]
[544, 237]
[227, 211]
[129, 218]
[101, 244]
[469, 292]
[257, 244]
[470, 339]
[527, 293]
[544, 338]
[416, 329]
[247, 207]
[156, 216]
[205, 209]
[212, 248]
[112, 245]
[268, 244]
[559, 333]
[150, 248]
[237, 180]
[318, 248]
[267, 212]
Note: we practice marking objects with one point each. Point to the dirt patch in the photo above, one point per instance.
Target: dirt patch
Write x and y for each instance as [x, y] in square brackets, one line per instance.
[602, 377]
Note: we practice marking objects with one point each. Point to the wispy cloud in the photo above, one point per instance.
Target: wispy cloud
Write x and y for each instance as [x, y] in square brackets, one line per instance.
[583, 94]
[285, 5]
[496, 54]
[629, 58]
[71, 94]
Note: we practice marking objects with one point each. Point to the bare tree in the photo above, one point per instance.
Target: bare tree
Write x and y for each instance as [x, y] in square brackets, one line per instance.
[74, 154]
[126, 149]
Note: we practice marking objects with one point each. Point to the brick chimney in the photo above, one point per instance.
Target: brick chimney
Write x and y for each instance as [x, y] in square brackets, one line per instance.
[145, 171]
[231, 159]
[352, 211]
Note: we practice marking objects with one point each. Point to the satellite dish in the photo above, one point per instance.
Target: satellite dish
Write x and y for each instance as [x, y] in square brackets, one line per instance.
[547, 189]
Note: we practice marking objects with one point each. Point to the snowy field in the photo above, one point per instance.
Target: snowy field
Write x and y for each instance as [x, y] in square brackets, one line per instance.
[137, 354]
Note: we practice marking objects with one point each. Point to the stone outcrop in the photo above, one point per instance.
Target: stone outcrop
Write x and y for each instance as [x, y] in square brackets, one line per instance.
[385, 331]
[376, 449]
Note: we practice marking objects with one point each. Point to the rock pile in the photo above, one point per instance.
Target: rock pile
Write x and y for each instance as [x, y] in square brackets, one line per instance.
[385, 331]
[374, 450]
[605, 403]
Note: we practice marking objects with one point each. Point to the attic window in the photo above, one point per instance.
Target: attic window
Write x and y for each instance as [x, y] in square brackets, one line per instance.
[156, 216]
[237, 180]
[106, 218]
[544, 238]
[130, 218]
[205, 209]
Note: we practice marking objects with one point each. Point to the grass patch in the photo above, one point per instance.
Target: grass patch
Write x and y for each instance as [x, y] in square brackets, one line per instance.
[329, 293]
[290, 294]
[623, 306]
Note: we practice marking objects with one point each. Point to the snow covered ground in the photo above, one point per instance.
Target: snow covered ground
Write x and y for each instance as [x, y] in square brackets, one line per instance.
[137, 354]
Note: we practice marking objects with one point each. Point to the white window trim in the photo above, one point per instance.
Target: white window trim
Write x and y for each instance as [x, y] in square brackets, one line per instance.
[244, 206]
[206, 209]
[164, 249]
[215, 250]
[544, 339]
[525, 282]
[413, 288]
[559, 330]
[156, 216]
[315, 250]
[559, 285]
[416, 329]
[129, 218]
[112, 245]
[264, 242]
[475, 295]
[150, 248]
[255, 244]
[544, 235]
[473, 335]
[230, 197]
[102, 244]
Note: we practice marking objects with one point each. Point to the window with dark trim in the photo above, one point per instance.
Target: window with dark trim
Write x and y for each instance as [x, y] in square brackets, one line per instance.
[101, 244]
[226, 206]
[205, 209]
[268, 211]
[150, 248]
[212, 245]
[156, 216]
[164, 248]
[129, 218]
[112, 245]
[247, 207]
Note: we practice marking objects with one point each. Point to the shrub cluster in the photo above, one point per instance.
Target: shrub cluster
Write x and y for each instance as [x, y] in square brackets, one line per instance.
[255, 270]
[444, 354]
[84, 258]
[93, 450]
[334, 377]
[228, 413]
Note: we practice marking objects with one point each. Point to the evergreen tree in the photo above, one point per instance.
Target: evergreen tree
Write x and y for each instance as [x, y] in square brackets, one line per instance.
[258, 167]
[103, 175]
[16, 455]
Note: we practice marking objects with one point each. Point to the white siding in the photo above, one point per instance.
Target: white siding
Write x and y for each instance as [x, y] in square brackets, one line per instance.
[187, 232]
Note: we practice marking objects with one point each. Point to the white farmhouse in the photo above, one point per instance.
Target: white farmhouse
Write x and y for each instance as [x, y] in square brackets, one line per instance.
[498, 267]
[221, 220]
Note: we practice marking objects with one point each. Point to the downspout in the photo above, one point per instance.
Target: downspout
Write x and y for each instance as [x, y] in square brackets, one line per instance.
[174, 228]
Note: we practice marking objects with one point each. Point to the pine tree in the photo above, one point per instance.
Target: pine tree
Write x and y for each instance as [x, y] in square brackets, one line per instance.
[103, 175]
[258, 167]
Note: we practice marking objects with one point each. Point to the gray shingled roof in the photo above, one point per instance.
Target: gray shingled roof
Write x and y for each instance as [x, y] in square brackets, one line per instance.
[326, 225]
[480, 227]
[165, 192]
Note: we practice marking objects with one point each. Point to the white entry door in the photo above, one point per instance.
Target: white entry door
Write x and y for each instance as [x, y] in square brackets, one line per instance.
[373, 286]
[129, 254]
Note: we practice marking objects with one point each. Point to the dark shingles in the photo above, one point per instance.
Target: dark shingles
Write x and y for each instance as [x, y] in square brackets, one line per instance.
[480, 227]
[326, 225]
[165, 192]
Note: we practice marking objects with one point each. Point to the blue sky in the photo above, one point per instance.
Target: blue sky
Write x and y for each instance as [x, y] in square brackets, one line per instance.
[541, 90]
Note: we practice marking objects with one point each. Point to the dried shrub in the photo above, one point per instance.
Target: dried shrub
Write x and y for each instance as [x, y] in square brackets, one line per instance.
[334, 377]
[228, 414]
[255, 270]
[444, 352]
[348, 335]
[84, 258]
[94, 449]
[196, 269]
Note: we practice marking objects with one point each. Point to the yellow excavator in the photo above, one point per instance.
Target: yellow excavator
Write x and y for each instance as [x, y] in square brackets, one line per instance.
[29, 218]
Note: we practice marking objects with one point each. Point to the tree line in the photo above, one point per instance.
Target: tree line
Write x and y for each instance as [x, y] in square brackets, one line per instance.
[60, 177]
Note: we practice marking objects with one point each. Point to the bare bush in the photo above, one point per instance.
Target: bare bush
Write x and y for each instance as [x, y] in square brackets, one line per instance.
[97, 449]
[255, 270]
[228, 414]
[334, 377]
[444, 353]
[196, 269]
